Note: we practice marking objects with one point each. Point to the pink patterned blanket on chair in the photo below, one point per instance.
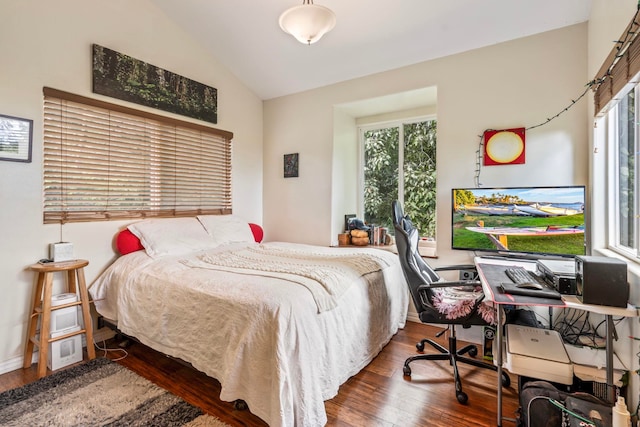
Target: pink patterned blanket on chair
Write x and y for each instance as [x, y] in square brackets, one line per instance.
[456, 302]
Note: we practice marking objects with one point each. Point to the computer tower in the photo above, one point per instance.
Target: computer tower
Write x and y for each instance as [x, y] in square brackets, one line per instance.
[602, 281]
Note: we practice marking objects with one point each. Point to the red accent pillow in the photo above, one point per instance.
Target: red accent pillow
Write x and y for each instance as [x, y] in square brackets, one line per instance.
[258, 232]
[127, 242]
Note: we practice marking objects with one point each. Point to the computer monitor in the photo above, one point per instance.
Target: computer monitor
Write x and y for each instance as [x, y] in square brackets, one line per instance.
[520, 220]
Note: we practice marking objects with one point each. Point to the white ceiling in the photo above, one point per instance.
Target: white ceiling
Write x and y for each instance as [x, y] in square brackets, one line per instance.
[370, 35]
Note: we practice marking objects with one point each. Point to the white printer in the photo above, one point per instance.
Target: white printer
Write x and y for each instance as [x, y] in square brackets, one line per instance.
[538, 353]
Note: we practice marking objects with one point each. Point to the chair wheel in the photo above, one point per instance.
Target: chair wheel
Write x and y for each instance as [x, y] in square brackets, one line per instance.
[506, 381]
[407, 371]
[462, 397]
[473, 352]
[420, 346]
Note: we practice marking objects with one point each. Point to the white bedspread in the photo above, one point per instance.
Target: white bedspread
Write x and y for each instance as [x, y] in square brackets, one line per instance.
[261, 336]
[326, 275]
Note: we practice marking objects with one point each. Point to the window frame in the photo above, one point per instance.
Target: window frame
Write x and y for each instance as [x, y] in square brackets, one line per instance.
[612, 142]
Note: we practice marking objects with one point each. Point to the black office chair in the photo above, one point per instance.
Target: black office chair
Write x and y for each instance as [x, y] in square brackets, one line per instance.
[423, 284]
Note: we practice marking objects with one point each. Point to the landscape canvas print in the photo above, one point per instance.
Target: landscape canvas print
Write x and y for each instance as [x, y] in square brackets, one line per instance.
[129, 79]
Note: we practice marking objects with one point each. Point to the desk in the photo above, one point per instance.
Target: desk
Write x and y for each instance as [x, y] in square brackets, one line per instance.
[491, 277]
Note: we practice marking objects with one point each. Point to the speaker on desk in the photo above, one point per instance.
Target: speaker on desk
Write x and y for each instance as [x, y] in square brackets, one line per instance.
[602, 281]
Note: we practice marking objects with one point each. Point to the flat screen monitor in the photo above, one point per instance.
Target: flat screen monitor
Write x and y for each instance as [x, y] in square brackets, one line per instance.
[520, 220]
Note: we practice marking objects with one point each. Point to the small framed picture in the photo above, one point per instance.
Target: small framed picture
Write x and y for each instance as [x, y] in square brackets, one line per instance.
[291, 165]
[347, 220]
[16, 135]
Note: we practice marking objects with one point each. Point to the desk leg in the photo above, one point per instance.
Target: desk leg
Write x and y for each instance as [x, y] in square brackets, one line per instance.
[499, 340]
[609, 362]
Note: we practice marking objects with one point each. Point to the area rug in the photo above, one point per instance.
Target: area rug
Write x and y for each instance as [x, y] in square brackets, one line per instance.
[98, 393]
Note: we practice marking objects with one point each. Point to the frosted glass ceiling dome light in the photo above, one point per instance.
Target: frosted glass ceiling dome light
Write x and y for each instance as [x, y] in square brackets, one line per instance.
[307, 23]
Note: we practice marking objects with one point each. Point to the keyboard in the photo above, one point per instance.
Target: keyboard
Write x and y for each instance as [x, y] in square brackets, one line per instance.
[522, 275]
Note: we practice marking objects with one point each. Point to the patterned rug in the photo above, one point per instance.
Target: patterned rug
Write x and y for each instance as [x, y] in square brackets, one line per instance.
[98, 393]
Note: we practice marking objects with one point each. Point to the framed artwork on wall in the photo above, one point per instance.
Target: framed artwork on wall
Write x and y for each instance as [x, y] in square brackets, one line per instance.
[291, 165]
[16, 136]
[123, 77]
[504, 147]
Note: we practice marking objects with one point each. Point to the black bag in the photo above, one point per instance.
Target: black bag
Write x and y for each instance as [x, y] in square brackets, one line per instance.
[536, 409]
[595, 411]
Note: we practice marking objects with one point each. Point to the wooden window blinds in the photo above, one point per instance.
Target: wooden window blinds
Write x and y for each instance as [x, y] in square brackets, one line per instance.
[620, 69]
[104, 161]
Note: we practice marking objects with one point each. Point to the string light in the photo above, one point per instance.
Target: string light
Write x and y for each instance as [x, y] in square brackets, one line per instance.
[621, 47]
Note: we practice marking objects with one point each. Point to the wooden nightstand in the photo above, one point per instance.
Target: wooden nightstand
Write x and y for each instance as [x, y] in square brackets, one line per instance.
[42, 308]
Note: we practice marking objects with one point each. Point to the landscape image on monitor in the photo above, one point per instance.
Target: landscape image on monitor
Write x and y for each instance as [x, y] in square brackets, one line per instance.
[542, 220]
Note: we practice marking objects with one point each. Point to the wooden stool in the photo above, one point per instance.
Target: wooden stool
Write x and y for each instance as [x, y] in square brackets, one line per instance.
[42, 307]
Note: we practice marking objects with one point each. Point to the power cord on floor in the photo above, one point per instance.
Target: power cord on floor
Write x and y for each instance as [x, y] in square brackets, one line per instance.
[108, 350]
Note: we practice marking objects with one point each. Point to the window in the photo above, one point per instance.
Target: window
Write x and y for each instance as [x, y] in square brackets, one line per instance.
[103, 161]
[400, 164]
[621, 122]
[625, 168]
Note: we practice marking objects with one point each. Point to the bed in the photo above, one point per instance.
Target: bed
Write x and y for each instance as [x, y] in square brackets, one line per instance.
[280, 325]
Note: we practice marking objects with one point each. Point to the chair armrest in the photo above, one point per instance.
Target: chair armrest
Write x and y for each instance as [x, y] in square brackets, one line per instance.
[451, 284]
[456, 267]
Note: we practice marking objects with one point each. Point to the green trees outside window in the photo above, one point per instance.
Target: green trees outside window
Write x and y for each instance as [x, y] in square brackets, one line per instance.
[401, 171]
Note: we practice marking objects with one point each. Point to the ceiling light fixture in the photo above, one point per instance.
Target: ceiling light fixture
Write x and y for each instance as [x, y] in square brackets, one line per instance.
[308, 22]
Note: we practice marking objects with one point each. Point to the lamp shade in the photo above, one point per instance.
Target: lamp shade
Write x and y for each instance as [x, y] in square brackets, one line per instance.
[308, 22]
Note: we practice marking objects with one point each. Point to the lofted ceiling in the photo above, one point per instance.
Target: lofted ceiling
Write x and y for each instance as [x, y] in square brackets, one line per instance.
[370, 35]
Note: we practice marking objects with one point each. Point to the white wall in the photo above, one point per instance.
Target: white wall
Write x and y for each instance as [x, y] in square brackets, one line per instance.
[518, 83]
[48, 43]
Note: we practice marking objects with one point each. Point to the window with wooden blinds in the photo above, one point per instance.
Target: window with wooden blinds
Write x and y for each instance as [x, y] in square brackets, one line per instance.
[620, 71]
[104, 161]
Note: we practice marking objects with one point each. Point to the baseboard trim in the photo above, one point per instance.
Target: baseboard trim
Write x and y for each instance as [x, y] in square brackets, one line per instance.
[413, 317]
[11, 365]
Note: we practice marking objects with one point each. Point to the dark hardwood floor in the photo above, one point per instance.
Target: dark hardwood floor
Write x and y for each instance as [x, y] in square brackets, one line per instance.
[377, 396]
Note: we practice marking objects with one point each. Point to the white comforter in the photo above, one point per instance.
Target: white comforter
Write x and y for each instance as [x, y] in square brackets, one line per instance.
[262, 337]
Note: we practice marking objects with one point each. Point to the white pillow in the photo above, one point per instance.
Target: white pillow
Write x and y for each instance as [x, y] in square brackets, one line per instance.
[171, 236]
[227, 228]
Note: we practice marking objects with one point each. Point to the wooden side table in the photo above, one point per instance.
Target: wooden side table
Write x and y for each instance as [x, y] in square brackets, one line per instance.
[42, 308]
